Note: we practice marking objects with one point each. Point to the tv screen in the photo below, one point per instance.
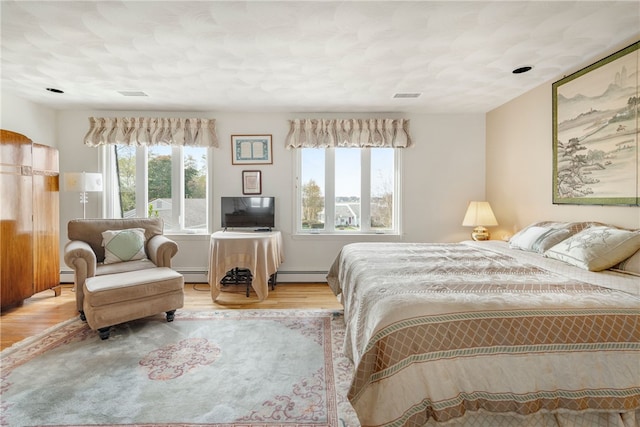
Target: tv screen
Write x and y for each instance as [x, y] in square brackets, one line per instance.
[248, 212]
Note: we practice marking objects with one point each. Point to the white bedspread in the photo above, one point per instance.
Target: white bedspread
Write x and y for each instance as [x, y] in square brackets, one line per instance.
[449, 332]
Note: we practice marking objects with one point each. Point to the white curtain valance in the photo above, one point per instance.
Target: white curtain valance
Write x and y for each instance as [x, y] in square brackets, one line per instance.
[151, 131]
[355, 133]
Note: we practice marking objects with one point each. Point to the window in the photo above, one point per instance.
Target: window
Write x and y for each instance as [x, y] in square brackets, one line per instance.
[158, 180]
[348, 190]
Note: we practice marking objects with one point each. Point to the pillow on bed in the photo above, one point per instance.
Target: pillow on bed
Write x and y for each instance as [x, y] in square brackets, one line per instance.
[538, 239]
[576, 227]
[630, 265]
[548, 224]
[596, 248]
[123, 245]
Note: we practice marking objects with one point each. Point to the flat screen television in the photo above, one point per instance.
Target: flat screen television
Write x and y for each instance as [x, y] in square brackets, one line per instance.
[248, 212]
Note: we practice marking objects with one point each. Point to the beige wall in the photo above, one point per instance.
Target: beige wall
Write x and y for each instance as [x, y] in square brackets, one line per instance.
[519, 168]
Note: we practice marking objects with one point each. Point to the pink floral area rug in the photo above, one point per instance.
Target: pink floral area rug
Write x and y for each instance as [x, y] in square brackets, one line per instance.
[261, 368]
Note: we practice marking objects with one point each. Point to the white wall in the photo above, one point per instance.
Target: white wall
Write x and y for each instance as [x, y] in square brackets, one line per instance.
[36, 122]
[442, 173]
[520, 167]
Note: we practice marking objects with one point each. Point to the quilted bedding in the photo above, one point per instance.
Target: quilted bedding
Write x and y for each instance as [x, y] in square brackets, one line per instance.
[458, 332]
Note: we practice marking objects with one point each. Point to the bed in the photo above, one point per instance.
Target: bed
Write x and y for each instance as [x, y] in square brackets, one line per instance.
[491, 334]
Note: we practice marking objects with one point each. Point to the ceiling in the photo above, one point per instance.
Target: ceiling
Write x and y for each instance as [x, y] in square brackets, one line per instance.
[300, 56]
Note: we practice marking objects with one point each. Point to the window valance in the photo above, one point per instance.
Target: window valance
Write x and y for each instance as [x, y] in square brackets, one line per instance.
[151, 131]
[356, 133]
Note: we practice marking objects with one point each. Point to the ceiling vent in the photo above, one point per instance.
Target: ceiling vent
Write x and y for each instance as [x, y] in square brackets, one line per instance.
[407, 95]
[132, 93]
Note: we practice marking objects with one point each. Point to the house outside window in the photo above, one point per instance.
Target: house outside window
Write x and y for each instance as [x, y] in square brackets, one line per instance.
[348, 191]
[159, 181]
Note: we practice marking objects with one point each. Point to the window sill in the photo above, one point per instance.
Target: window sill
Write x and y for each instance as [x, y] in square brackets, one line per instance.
[187, 236]
[374, 237]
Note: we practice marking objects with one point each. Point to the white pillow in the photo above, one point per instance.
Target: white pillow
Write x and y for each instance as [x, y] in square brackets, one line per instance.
[538, 239]
[596, 248]
[123, 245]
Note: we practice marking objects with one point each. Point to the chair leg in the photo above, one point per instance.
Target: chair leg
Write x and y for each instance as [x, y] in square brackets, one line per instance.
[170, 315]
[83, 317]
[104, 332]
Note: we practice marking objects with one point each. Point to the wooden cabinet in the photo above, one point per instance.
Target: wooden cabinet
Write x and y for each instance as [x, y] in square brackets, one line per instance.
[29, 218]
[46, 218]
[16, 181]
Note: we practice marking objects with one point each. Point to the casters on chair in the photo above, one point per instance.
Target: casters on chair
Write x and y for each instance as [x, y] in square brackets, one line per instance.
[83, 317]
[104, 332]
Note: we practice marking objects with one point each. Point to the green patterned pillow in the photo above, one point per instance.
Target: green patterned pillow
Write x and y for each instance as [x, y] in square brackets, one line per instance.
[596, 248]
[123, 245]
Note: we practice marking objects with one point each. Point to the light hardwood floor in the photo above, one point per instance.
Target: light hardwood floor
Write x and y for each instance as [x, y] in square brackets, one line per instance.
[44, 310]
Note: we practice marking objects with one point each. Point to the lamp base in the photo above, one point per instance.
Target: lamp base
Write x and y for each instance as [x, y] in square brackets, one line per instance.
[480, 233]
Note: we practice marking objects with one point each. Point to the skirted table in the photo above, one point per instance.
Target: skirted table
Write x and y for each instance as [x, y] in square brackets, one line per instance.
[259, 252]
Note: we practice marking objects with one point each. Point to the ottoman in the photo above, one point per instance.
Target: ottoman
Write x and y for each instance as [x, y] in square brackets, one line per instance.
[117, 298]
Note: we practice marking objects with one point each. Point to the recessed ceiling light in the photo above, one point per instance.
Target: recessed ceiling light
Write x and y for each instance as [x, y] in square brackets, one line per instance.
[54, 90]
[407, 95]
[522, 69]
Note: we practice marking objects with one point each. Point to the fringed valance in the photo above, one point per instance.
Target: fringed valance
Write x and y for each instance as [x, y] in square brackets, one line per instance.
[151, 131]
[355, 133]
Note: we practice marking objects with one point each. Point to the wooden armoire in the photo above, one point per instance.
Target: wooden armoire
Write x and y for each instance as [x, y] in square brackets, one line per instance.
[29, 218]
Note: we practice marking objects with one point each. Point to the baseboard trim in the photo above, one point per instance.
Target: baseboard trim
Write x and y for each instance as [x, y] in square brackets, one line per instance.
[200, 276]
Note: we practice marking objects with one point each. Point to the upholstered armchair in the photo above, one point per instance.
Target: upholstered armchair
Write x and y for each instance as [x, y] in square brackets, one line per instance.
[108, 264]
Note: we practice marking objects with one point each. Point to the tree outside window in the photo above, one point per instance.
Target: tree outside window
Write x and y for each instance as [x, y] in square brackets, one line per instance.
[182, 205]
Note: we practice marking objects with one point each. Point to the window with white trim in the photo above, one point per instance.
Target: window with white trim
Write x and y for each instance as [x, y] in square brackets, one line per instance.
[348, 190]
[159, 180]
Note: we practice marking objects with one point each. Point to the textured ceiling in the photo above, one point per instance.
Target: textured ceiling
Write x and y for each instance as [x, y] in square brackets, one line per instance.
[302, 56]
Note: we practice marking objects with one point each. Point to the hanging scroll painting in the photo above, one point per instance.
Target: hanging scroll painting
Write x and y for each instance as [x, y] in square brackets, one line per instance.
[595, 133]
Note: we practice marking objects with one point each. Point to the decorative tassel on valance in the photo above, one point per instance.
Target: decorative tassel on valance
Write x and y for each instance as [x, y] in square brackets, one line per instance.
[151, 131]
[354, 133]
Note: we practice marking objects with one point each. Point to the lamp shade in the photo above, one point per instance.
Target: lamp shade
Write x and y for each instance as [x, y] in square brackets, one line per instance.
[82, 181]
[479, 214]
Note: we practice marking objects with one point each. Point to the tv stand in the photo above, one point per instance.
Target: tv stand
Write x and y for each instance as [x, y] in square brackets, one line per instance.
[263, 229]
[252, 258]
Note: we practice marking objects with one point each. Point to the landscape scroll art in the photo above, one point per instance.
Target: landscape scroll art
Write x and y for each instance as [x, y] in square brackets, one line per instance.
[595, 133]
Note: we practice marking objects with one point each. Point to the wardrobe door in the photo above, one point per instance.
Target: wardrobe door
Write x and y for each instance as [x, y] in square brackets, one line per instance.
[46, 219]
[16, 236]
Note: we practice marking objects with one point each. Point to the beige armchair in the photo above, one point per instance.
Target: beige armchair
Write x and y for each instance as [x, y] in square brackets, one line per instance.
[109, 294]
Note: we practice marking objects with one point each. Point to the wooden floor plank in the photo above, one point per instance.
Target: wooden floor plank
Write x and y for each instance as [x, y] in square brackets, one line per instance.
[44, 310]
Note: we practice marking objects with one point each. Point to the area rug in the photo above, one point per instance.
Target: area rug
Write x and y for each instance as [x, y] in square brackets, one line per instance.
[261, 368]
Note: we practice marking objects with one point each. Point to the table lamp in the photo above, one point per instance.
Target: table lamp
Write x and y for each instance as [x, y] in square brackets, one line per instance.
[479, 215]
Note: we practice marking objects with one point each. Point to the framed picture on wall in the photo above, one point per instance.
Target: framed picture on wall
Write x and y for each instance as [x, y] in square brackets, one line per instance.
[595, 133]
[251, 149]
[251, 182]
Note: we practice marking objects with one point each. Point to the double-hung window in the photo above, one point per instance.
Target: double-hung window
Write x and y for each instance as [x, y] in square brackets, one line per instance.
[348, 174]
[348, 190]
[159, 181]
[156, 167]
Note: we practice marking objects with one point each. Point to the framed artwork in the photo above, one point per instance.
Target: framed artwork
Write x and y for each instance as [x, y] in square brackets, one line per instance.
[595, 133]
[251, 182]
[251, 149]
